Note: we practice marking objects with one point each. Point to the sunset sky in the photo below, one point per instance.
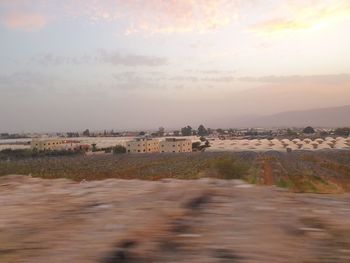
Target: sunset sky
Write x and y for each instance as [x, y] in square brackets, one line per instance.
[133, 64]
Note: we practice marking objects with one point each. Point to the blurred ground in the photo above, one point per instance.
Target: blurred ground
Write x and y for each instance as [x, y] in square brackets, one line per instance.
[206, 220]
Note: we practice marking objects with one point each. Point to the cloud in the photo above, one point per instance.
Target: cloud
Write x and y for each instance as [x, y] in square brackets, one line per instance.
[304, 15]
[151, 16]
[24, 21]
[102, 56]
[49, 59]
[139, 81]
[115, 58]
[314, 79]
[177, 16]
[161, 16]
[26, 15]
[217, 72]
[26, 83]
[222, 79]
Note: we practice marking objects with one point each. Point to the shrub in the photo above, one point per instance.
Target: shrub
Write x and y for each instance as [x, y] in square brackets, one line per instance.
[284, 183]
[15, 154]
[94, 148]
[228, 168]
[107, 149]
[28, 153]
[196, 145]
[309, 130]
[118, 149]
[342, 131]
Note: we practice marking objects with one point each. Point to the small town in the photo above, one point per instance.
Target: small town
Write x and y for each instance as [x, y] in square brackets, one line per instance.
[184, 141]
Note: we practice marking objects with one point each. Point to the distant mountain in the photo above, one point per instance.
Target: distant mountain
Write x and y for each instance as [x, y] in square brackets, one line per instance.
[324, 117]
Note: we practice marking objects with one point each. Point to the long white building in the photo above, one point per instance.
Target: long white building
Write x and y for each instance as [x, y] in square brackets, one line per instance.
[168, 145]
[57, 145]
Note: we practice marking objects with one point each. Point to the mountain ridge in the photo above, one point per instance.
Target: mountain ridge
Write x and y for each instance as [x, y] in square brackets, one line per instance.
[319, 117]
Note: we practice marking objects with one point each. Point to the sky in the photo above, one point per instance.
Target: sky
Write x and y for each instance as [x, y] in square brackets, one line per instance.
[67, 65]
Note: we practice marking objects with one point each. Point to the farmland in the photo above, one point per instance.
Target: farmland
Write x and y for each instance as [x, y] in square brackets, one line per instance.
[299, 171]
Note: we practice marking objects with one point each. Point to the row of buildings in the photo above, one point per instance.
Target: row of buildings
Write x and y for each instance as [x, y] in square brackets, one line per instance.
[137, 145]
[58, 145]
[169, 145]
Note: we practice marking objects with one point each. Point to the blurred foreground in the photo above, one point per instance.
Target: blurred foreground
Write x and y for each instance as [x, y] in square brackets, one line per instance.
[205, 220]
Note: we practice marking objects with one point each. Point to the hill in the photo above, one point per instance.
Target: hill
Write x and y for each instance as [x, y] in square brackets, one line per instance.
[322, 117]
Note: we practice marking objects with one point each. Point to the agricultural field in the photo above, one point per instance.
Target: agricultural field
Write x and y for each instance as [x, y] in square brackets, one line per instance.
[299, 171]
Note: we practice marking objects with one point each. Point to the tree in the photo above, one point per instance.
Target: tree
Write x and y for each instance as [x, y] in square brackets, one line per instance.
[309, 130]
[324, 133]
[161, 131]
[251, 132]
[220, 131]
[196, 145]
[118, 149]
[107, 149]
[202, 131]
[176, 133]
[94, 148]
[72, 134]
[4, 135]
[186, 131]
[290, 132]
[345, 131]
[86, 133]
[142, 133]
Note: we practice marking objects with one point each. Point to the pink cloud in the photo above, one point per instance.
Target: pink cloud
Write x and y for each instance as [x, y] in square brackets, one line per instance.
[27, 15]
[185, 16]
[304, 15]
[159, 16]
[24, 21]
[150, 16]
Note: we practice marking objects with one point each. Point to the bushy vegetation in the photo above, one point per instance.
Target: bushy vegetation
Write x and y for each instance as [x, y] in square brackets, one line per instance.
[15, 154]
[198, 146]
[230, 168]
[125, 166]
[299, 171]
[309, 130]
[118, 149]
[342, 131]
[186, 131]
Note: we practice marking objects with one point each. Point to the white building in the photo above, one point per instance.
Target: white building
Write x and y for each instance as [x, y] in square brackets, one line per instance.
[142, 145]
[169, 145]
[176, 145]
[56, 145]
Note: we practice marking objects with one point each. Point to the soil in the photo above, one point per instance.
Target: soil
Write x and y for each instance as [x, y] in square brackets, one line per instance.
[206, 220]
